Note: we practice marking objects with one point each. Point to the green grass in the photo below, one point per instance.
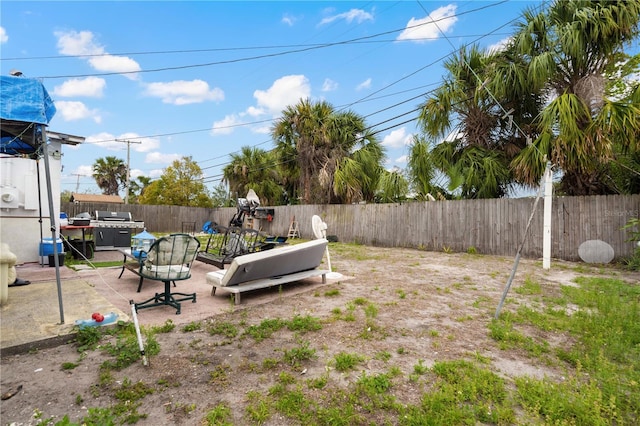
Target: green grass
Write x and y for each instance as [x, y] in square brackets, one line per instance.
[347, 361]
[602, 365]
[226, 329]
[588, 335]
[296, 355]
[265, 329]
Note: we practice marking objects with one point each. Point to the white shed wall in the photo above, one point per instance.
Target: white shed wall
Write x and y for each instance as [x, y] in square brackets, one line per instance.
[20, 211]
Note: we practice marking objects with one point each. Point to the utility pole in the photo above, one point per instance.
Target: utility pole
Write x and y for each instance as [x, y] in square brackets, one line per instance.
[128, 142]
[77, 181]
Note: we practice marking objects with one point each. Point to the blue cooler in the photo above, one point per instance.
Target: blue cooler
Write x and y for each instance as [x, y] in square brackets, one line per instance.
[46, 251]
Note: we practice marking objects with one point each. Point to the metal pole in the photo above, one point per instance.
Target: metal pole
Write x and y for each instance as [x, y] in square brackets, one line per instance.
[546, 235]
[524, 238]
[126, 194]
[128, 142]
[138, 334]
[52, 217]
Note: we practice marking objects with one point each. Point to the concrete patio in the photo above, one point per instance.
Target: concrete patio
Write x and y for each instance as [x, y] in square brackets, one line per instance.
[31, 318]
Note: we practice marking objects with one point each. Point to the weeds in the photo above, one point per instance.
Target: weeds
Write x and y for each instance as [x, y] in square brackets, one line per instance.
[605, 323]
[265, 329]
[347, 361]
[225, 329]
[192, 326]
[296, 355]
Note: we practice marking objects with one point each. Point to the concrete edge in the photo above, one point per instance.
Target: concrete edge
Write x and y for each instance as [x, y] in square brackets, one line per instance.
[48, 343]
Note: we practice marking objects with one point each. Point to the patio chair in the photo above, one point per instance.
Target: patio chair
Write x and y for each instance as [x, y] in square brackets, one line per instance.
[168, 260]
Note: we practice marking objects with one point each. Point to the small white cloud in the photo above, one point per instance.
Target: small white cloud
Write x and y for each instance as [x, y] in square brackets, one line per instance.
[285, 91]
[398, 138]
[156, 173]
[357, 15]
[225, 126]
[73, 111]
[3, 35]
[255, 112]
[83, 170]
[92, 87]
[430, 28]
[181, 92]
[499, 46]
[136, 173]
[329, 85]
[159, 158]
[261, 130]
[116, 64]
[145, 144]
[401, 160]
[74, 43]
[118, 143]
[364, 85]
[288, 19]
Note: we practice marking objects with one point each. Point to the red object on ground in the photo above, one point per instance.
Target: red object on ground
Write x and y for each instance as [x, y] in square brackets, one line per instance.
[99, 318]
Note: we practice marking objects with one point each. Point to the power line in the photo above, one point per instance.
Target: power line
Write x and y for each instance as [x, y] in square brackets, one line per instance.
[303, 48]
[370, 97]
[220, 49]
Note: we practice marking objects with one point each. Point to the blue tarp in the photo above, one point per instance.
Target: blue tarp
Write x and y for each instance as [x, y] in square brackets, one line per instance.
[25, 99]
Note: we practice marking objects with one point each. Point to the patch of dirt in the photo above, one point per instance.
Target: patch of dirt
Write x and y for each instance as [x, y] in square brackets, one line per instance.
[428, 307]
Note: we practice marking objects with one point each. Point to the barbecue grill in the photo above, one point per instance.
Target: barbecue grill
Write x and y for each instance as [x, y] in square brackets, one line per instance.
[112, 230]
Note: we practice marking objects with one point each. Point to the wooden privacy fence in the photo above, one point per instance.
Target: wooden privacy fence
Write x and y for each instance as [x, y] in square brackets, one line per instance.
[492, 226]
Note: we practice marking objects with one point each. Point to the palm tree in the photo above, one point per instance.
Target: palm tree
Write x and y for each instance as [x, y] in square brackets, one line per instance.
[322, 140]
[110, 174]
[393, 187]
[476, 138]
[569, 49]
[421, 169]
[254, 168]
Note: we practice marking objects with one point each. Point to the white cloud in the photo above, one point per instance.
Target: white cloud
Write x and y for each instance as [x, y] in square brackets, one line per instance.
[159, 158]
[83, 171]
[431, 27]
[329, 85]
[364, 85]
[116, 64]
[136, 173]
[146, 144]
[92, 87]
[156, 173]
[73, 111]
[262, 130]
[499, 46]
[74, 43]
[285, 91]
[108, 141]
[397, 138]
[288, 19]
[357, 15]
[226, 125]
[255, 112]
[401, 160]
[3, 35]
[181, 92]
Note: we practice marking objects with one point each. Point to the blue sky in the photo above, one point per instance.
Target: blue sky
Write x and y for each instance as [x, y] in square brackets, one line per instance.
[205, 78]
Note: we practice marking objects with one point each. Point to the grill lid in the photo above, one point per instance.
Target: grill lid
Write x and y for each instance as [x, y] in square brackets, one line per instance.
[108, 216]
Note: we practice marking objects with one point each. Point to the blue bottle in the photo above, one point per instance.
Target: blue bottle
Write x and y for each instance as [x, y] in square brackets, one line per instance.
[109, 318]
